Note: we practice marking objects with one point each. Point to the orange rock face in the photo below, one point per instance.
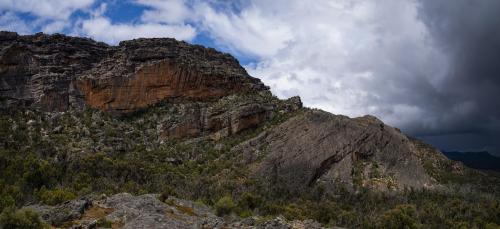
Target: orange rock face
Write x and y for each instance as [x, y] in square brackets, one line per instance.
[152, 84]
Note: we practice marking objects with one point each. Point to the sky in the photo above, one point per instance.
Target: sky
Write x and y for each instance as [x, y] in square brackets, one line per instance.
[428, 67]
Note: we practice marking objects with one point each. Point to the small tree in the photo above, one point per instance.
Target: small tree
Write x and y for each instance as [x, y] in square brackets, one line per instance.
[224, 205]
[56, 196]
[6, 201]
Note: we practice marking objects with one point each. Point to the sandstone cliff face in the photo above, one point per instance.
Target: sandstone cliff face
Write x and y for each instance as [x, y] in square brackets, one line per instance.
[54, 73]
[143, 72]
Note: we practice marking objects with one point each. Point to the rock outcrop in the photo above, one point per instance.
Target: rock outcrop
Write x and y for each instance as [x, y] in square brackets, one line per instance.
[228, 116]
[63, 213]
[320, 148]
[147, 211]
[56, 72]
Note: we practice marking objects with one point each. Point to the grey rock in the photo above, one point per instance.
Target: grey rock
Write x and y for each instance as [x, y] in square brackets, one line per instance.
[85, 224]
[57, 215]
[147, 211]
[320, 148]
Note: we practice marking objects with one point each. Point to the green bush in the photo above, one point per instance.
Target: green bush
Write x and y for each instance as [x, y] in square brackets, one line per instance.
[6, 201]
[249, 201]
[104, 223]
[224, 206]
[56, 196]
[20, 219]
[403, 216]
[492, 226]
[166, 193]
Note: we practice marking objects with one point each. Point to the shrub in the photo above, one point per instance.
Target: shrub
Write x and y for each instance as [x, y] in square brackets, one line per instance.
[403, 216]
[20, 219]
[249, 201]
[492, 226]
[104, 223]
[166, 193]
[6, 201]
[56, 196]
[224, 206]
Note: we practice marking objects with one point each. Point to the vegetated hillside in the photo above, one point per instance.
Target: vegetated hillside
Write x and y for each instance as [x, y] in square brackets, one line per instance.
[477, 160]
[79, 119]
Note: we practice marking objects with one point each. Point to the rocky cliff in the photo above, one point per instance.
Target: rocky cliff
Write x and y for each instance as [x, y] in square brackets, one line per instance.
[56, 73]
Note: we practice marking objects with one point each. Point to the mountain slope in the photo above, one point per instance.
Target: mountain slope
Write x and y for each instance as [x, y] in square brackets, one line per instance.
[81, 118]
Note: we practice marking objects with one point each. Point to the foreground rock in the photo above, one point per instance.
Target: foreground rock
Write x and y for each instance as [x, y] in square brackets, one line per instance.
[147, 211]
[58, 215]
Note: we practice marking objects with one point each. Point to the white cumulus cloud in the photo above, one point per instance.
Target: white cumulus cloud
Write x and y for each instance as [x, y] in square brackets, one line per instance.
[250, 32]
[165, 11]
[102, 29]
[10, 22]
[48, 9]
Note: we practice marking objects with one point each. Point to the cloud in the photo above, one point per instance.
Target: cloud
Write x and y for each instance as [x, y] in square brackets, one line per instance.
[10, 22]
[101, 28]
[352, 57]
[249, 32]
[467, 33]
[49, 16]
[165, 11]
[47, 9]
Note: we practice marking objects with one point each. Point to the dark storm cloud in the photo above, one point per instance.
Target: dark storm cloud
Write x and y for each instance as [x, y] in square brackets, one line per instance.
[468, 32]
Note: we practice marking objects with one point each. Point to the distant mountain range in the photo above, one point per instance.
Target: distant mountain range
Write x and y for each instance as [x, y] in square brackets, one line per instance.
[476, 160]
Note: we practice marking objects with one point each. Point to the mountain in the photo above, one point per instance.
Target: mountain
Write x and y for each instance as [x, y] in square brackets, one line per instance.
[80, 119]
[476, 160]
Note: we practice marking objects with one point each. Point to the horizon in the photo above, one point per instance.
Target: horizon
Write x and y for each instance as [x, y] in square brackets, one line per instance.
[422, 66]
